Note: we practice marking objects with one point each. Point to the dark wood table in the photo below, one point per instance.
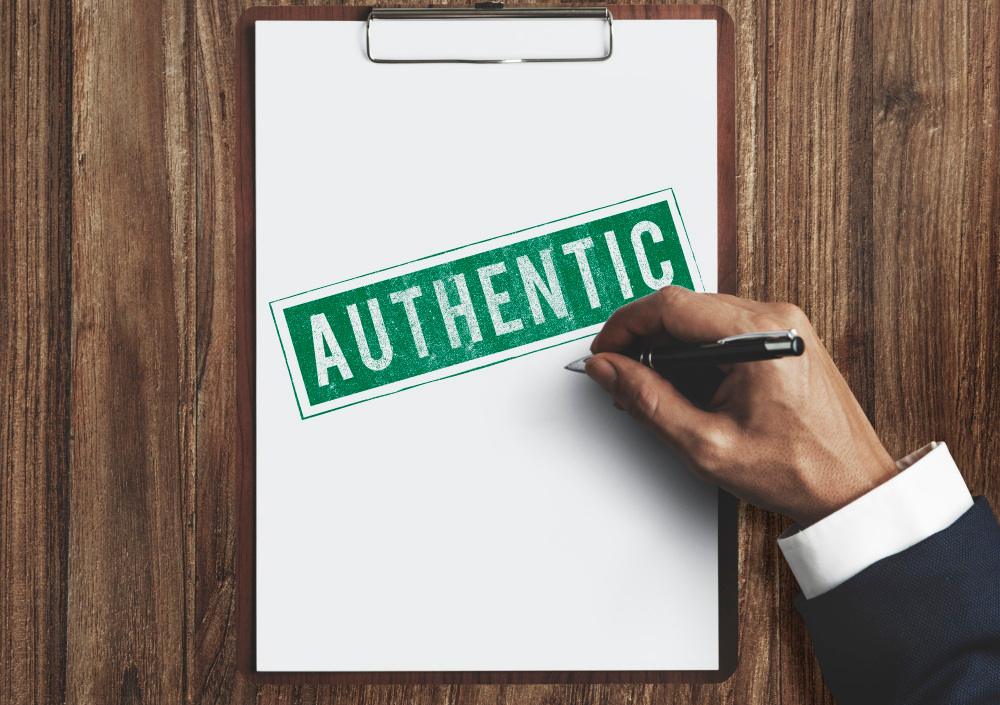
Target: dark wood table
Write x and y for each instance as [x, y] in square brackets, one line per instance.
[868, 139]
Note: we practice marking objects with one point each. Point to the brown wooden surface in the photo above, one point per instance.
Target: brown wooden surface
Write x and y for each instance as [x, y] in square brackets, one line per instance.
[246, 352]
[868, 144]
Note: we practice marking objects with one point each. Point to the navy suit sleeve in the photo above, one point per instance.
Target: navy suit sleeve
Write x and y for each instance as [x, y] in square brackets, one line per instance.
[921, 626]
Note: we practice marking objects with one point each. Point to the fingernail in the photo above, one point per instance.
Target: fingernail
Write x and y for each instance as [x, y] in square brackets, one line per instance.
[602, 372]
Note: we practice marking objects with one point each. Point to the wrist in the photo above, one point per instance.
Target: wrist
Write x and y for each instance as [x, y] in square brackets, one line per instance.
[924, 497]
[851, 482]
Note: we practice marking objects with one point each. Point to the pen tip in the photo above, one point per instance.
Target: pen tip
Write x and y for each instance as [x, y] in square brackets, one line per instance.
[578, 365]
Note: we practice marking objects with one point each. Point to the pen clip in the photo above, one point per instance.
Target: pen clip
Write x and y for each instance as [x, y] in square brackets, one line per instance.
[763, 335]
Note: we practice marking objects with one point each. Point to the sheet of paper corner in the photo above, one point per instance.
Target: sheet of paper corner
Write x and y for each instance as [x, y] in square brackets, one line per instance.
[320, 103]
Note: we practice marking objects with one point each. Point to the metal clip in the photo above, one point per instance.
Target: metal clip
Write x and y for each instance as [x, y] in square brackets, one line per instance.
[763, 335]
[487, 10]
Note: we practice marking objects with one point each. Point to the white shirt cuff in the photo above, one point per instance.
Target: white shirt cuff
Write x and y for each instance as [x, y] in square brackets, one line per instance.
[927, 496]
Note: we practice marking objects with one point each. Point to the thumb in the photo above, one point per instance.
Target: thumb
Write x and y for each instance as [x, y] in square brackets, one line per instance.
[649, 399]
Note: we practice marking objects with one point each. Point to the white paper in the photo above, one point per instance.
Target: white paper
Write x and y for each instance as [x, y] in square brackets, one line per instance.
[509, 518]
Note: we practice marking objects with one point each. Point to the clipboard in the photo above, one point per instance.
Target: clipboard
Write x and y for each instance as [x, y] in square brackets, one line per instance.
[246, 353]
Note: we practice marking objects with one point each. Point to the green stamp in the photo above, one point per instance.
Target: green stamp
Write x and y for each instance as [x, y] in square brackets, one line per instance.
[481, 304]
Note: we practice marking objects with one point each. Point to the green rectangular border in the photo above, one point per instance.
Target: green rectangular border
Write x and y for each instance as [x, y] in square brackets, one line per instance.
[284, 353]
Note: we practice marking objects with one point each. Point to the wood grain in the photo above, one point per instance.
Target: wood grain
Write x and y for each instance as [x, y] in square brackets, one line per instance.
[132, 391]
[214, 676]
[868, 139]
[937, 196]
[36, 130]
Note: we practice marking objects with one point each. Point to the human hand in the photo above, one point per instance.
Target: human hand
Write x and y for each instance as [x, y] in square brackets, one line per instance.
[786, 435]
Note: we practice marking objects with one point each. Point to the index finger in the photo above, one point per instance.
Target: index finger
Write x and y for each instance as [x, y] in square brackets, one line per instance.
[685, 315]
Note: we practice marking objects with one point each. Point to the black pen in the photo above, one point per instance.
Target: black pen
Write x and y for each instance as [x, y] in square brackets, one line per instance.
[748, 347]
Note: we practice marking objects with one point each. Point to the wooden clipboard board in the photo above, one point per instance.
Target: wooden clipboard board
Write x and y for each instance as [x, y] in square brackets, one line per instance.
[246, 371]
